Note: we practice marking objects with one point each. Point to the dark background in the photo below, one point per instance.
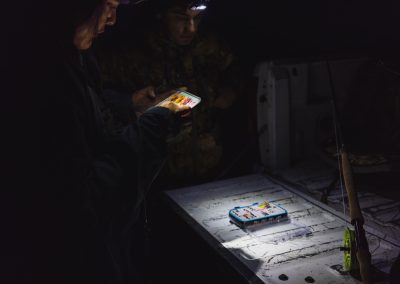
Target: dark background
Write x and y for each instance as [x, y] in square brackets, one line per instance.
[263, 29]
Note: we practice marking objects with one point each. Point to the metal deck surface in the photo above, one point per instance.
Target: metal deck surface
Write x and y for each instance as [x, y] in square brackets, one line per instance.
[303, 249]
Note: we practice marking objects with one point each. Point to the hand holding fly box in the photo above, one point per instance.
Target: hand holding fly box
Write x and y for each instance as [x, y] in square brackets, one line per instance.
[183, 98]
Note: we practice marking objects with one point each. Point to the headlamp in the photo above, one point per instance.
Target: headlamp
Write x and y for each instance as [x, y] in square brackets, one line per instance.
[198, 5]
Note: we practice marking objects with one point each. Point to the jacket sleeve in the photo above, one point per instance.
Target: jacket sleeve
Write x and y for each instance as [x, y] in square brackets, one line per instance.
[137, 152]
[104, 182]
[120, 104]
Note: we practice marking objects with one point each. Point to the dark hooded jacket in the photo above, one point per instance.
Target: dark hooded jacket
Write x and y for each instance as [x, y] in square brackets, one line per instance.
[96, 168]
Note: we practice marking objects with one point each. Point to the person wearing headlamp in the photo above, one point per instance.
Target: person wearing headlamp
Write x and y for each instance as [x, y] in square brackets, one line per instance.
[175, 53]
[182, 20]
[94, 175]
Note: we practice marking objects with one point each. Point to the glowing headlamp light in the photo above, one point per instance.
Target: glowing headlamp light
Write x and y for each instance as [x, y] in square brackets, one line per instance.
[199, 5]
[196, 5]
[198, 8]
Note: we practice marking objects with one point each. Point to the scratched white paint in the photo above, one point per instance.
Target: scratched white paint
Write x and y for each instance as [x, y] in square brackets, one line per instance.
[305, 246]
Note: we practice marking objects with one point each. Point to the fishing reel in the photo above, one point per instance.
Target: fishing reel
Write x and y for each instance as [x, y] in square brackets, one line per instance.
[350, 262]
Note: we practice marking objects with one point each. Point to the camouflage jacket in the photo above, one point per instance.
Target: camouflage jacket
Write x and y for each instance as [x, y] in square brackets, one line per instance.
[202, 67]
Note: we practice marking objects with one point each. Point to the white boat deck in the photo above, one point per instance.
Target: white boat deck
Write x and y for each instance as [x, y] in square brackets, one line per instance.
[301, 250]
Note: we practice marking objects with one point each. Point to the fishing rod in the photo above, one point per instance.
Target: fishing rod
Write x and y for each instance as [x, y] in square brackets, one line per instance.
[355, 241]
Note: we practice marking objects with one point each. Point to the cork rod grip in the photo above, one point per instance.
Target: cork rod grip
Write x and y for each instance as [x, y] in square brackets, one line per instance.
[355, 212]
[364, 260]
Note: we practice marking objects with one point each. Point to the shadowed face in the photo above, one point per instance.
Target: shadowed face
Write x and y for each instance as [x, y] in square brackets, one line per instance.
[182, 24]
[104, 15]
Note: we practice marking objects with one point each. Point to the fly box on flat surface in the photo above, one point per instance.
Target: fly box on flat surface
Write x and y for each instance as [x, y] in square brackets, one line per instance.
[257, 213]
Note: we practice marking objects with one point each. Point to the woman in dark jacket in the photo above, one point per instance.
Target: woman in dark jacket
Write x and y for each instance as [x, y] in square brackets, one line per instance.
[95, 168]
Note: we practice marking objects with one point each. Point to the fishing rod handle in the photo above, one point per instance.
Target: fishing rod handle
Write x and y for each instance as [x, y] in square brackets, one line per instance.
[364, 261]
[354, 207]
